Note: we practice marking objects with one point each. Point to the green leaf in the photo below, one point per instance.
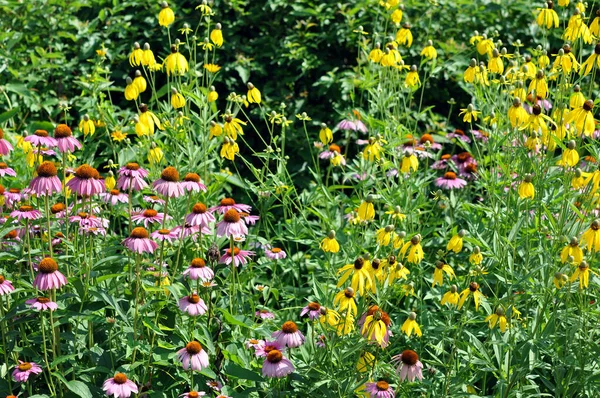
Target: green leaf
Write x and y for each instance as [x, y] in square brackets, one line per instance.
[230, 319]
[8, 114]
[236, 370]
[77, 387]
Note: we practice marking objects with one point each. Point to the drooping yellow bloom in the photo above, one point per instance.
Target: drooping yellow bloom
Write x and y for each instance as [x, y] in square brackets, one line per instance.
[166, 16]
[429, 51]
[155, 155]
[212, 94]
[526, 189]
[591, 237]
[254, 96]
[456, 242]
[177, 99]
[595, 26]
[366, 362]
[560, 280]
[499, 318]
[565, 61]
[529, 68]
[409, 162]
[373, 149]
[137, 55]
[216, 35]
[415, 254]
[395, 269]
[517, 115]
[391, 56]
[361, 277]
[583, 118]
[572, 250]
[469, 114]
[577, 99]
[410, 325]
[346, 301]
[205, 9]
[110, 181]
[366, 210]
[576, 28]
[537, 121]
[376, 54]
[325, 134]
[132, 92]
[547, 16]
[175, 63]
[485, 45]
[469, 75]
[579, 179]
[539, 85]
[592, 62]
[229, 149]
[233, 126]
[329, 244]
[396, 213]
[451, 297]
[582, 272]
[346, 324]
[140, 82]
[397, 16]
[375, 327]
[476, 257]
[87, 125]
[149, 119]
[472, 290]
[481, 75]
[543, 60]
[438, 273]
[412, 78]
[385, 235]
[495, 64]
[404, 36]
[148, 58]
[569, 157]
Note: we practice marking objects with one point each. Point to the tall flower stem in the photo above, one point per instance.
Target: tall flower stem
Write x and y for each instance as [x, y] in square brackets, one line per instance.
[47, 205]
[189, 201]
[52, 388]
[135, 304]
[4, 345]
[233, 270]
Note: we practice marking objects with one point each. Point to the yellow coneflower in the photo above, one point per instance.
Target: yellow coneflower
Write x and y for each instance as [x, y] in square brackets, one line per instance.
[229, 149]
[469, 114]
[481, 75]
[177, 99]
[376, 325]
[376, 54]
[366, 210]
[529, 68]
[254, 96]
[166, 16]
[537, 121]
[155, 155]
[412, 78]
[579, 179]
[346, 301]
[366, 362]
[212, 94]
[396, 213]
[543, 60]
[205, 9]
[216, 35]
[517, 115]
[547, 16]
[429, 51]
[476, 257]
[410, 325]
[573, 250]
[409, 162]
[495, 64]
[175, 63]
[329, 317]
[396, 16]
[87, 125]
[118, 136]
[582, 272]
[346, 324]
[451, 297]
[438, 273]
[583, 118]
[519, 92]
[560, 280]
[569, 157]
[395, 269]
[469, 75]
[373, 149]
[485, 45]
[591, 237]
[577, 99]
[233, 126]
[576, 28]
[526, 189]
[592, 62]
[149, 119]
[404, 36]
[325, 134]
[415, 251]
[385, 235]
[148, 58]
[137, 55]
[456, 242]
[473, 290]
[391, 56]
[131, 90]
[595, 25]
[377, 270]
[212, 68]
[499, 318]
[361, 277]
[329, 244]
[539, 85]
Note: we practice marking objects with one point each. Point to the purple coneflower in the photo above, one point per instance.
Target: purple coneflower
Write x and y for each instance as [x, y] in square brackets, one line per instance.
[442, 163]
[49, 277]
[154, 200]
[450, 181]
[168, 184]
[227, 204]
[346, 125]
[47, 181]
[200, 216]
[313, 310]
[427, 141]
[6, 171]
[459, 134]
[42, 304]
[39, 151]
[463, 159]
[193, 394]
[12, 196]
[26, 213]
[24, 369]
[276, 365]
[86, 181]
[193, 305]
[248, 219]
[41, 138]
[275, 253]
[381, 389]
[199, 270]
[131, 177]
[114, 197]
[6, 286]
[289, 335]
[240, 257]
[119, 386]
[87, 220]
[321, 341]
[65, 140]
[162, 235]
[5, 146]
[190, 230]
[264, 314]
[148, 216]
[264, 347]
[480, 135]
[193, 356]
[87, 230]
[408, 365]
[139, 242]
[215, 385]
[231, 224]
[192, 183]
